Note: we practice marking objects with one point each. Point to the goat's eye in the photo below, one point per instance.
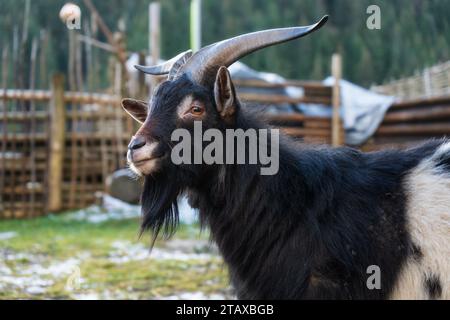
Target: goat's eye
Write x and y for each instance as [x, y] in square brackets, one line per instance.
[196, 110]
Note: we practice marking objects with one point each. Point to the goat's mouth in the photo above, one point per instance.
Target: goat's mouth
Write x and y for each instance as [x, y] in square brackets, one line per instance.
[143, 162]
[146, 166]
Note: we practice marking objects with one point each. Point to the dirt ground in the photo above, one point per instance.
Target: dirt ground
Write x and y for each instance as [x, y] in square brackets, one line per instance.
[96, 254]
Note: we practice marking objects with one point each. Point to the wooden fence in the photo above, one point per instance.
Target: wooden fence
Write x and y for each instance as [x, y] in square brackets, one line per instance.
[57, 147]
[411, 122]
[431, 82]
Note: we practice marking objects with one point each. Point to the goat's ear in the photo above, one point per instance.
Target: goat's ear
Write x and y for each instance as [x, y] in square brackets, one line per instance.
[224, 94]
[136, 109]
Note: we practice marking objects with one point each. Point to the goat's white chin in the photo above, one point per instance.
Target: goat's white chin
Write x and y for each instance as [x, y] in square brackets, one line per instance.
[145, 167]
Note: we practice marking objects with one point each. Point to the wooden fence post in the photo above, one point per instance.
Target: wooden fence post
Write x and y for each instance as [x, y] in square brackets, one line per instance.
[57, 142]
[154, 12]
[336, 72]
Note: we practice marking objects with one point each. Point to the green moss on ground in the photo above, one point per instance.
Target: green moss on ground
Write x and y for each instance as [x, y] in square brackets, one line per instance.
[46, 252]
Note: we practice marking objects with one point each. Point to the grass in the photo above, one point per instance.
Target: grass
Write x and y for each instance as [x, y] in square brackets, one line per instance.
[56, 257]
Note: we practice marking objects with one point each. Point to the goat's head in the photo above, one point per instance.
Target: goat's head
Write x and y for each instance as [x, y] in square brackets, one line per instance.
[199, 88]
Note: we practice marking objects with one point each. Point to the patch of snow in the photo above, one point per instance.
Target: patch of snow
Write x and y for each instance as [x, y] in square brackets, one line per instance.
[159, 254]
[112, 209]
[9, 255]
[35, 290]
[191, 245]
[5, 270]
[125, 252]
[7, 235]
[33, 277]
[115, 209]
[103, 295]
[87, 296]
[56, 270]
[27, 283]
[188, 215]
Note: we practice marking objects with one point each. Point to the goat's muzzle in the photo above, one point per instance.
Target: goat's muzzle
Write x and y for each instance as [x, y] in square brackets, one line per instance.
[141, 154]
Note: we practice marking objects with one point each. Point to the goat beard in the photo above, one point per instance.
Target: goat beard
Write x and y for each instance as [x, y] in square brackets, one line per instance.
[159, 204]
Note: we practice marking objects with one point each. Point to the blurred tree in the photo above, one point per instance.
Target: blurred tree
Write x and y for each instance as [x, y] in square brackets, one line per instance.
[413, 34]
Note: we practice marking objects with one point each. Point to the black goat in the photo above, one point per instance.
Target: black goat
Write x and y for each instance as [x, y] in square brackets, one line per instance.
[313, 230]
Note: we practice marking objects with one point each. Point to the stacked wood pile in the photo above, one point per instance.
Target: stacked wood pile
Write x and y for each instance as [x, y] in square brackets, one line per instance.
[411, 122]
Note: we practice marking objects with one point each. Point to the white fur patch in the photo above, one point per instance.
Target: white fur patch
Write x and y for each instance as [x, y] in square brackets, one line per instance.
[184, 105]
[428, 223]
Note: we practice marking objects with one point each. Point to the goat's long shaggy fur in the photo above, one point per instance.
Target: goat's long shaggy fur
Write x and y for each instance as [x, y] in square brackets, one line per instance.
[317, 227]
[312, 230]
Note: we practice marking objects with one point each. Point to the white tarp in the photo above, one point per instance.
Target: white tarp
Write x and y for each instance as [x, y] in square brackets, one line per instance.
[362, 111]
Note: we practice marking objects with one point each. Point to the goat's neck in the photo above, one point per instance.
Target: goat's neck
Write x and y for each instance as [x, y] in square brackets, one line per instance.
[252, 217]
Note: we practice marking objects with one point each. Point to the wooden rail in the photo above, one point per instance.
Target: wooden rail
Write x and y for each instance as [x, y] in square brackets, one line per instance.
[69, 97]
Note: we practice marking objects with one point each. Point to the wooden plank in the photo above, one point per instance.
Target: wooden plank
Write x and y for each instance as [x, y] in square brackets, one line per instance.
[36, 95]
[317, 140]
[93, 115]
[294, 117]
[74, 156]
[21, 213]
[105, 167]
[421, 102]
[9, 165]
[414, 129]
[82, 161]
[18, 116]
[256, 83]
[4, 78]
[58, 133]
[92, 98]
[303, 132]
[70, 96]
[42, 136]
[23, 189]
[279, 99]
[317, 125]
[336, 71]
[432, 113]
[33, 177]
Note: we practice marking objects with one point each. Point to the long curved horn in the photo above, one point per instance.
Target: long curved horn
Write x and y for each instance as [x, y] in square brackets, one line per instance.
[226, 52]
[169, 66]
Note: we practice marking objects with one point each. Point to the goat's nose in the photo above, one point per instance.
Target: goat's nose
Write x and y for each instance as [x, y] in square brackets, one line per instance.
[137, 142]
